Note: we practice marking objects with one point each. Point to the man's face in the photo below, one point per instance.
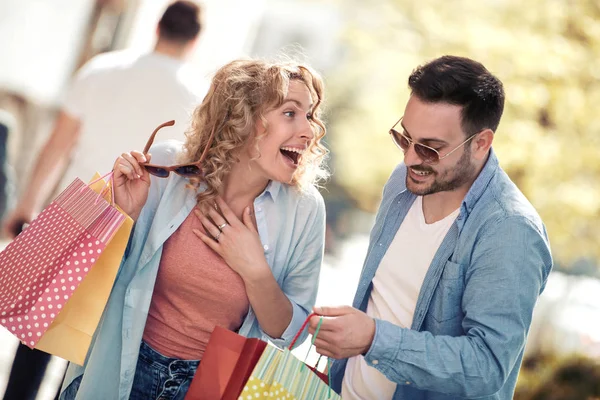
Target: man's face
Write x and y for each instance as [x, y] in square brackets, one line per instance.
[437, 125]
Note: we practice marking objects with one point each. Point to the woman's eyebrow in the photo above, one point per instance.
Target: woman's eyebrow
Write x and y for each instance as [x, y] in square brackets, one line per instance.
[298, 104]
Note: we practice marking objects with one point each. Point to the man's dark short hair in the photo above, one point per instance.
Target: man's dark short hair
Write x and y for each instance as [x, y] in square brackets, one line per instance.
[463, 82]
[180, 22]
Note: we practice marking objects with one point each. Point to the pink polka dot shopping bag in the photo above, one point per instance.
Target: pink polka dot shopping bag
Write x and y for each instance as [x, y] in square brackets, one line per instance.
[56, 276]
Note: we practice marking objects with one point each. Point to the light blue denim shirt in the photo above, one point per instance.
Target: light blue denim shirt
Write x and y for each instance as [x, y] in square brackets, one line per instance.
[474, 309]
[291, 225]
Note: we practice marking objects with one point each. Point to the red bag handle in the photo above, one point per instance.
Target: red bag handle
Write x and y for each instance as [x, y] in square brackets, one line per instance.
[302, 329]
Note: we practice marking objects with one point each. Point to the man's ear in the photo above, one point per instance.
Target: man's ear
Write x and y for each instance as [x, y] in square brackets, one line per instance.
[482, 143]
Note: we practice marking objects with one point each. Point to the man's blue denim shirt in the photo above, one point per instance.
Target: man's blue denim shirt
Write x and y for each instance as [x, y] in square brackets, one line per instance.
[475, 306]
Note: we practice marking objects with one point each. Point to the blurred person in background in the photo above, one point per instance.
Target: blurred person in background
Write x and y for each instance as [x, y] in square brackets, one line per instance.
[457, 257]
[7, 123]
[113, 102]
[209, 248]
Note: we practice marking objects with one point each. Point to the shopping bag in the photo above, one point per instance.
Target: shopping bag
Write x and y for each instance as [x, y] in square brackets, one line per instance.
[41, 268]
[279, 374]
[225, 367]
[230, 371]
[70, 334]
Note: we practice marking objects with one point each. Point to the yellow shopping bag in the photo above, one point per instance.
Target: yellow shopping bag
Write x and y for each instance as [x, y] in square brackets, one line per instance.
[70, 334]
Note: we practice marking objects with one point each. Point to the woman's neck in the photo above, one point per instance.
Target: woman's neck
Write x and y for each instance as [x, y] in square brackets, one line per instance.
[241, 187]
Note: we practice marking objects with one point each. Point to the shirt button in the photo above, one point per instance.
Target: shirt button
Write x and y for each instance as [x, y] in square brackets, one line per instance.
[381, 244]
[258, 209]
[266, 247]
[407, 382]
[375, 362]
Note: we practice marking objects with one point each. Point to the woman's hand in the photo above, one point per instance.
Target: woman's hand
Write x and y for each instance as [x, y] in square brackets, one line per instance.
[239, 244]
[131, 183]
[236, 241]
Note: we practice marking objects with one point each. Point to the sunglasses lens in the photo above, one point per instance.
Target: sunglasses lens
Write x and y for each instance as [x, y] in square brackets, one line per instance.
[426, 154]
[400, 140]
[157, 171]
[188, 170]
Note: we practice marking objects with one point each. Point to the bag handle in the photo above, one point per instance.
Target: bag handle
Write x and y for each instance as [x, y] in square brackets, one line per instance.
[293, 342]
[107, 186]
[312, 343]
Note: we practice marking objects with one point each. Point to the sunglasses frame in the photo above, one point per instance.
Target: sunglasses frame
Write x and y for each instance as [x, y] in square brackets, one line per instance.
[393, 132]
[174, 168]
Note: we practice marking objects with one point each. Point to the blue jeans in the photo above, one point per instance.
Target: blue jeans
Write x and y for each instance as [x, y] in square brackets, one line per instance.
[156, 377]
[160, 377]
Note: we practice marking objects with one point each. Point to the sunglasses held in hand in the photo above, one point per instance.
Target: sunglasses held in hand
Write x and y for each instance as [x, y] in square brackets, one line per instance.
[185, 170]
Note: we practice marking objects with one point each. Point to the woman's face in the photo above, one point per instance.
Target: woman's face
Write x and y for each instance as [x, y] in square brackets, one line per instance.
[288, 136]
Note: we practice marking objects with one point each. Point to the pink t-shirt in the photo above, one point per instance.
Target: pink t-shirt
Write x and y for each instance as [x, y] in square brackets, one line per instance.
[195, 291]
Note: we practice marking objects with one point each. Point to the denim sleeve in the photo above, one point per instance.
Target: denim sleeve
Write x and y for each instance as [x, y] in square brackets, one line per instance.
[509, 267]
[301, 283]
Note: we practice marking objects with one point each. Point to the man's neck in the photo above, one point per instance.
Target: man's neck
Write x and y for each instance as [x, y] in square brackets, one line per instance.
[438, 206]
[170, 49]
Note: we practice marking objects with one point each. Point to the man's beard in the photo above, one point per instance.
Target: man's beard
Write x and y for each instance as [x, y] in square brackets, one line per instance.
[452, 178]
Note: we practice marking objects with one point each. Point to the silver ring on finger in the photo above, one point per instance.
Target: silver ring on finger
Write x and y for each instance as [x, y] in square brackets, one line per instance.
[217, 237]
[223, 225]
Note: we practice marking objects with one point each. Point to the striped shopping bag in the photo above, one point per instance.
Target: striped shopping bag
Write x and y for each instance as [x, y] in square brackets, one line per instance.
[280, 375]
[41, 268]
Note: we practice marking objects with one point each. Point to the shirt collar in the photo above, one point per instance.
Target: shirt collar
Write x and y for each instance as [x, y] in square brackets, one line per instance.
[273, 188]
[481, 183]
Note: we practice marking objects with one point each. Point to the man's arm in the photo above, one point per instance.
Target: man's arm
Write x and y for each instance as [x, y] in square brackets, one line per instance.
[49, 167]
[507, 272]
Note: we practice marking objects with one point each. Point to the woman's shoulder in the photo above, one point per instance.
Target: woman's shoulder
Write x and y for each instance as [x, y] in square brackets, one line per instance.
[308, 197]
[166, 152]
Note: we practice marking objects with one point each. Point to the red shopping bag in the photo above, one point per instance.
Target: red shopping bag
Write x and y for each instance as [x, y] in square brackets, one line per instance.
[226, 365]
[41, 268]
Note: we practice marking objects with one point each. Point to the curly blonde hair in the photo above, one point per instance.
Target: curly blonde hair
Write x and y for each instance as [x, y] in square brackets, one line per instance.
[240, 94]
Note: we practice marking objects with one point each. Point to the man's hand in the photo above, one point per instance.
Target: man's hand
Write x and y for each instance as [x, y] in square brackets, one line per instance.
[345, 331]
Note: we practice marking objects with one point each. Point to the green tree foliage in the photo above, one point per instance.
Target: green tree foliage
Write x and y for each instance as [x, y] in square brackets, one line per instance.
[547, 53]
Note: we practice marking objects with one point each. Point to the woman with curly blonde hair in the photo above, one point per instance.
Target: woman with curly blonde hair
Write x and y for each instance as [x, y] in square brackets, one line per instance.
[229, 232]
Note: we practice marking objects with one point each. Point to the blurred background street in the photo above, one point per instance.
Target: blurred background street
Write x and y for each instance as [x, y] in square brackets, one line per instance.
[545, 51]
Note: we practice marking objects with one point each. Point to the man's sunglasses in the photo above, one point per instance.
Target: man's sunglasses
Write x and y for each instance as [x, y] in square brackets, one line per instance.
[185, 170]
[428, 154]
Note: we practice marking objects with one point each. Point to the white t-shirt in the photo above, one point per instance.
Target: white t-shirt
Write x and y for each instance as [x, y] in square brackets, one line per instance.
[396, 287]
[120, 98]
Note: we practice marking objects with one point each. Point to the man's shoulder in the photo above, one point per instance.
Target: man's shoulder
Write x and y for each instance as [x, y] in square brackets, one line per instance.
[503, 201]
[110, 61]
[191, 82]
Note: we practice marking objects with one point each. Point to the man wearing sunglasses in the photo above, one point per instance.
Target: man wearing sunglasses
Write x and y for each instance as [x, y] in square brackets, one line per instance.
[457, 259]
